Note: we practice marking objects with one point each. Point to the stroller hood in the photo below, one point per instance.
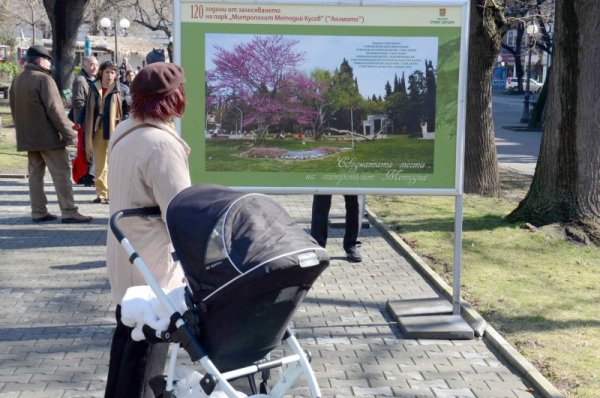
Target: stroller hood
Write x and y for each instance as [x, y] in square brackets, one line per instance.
[251, 230]
[248, 265]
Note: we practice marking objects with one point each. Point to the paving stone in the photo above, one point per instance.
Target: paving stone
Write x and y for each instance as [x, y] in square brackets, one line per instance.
[57, 318]
[452, 392]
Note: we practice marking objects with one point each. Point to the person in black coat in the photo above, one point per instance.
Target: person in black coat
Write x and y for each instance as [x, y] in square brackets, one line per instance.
[320, 218]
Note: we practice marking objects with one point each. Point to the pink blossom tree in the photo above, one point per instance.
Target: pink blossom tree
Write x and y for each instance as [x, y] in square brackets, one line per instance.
[262, 77]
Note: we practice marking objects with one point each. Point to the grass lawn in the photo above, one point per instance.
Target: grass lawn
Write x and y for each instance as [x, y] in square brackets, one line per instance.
[225, 155]
[540, 291]
[11, 161]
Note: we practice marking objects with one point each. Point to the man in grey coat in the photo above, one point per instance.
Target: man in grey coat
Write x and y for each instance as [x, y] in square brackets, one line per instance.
[43, 131]
[81, 84]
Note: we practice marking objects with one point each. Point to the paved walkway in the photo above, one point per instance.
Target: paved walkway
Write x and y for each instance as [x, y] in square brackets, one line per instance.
[56, 317]
[516, 147]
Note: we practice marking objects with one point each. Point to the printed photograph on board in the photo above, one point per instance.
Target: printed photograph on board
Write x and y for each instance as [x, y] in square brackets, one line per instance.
[303, 103]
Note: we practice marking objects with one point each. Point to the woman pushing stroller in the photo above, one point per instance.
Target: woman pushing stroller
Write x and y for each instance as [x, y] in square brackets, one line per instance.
[152, 167]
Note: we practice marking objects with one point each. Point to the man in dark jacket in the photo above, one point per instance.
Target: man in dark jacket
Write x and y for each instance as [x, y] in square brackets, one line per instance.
[81, 84]
[44, 131]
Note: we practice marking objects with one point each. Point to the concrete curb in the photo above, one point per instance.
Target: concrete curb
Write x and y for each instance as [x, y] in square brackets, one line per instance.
[481, 328]
[13, 175]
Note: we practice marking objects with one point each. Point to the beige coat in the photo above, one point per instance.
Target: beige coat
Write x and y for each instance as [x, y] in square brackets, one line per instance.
[148, 168]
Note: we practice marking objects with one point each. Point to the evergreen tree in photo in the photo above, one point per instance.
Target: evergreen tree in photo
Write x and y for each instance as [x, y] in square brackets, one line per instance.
[388, 89]
[430, 95]
[396, 83]
[417, 88]
[347, 99]
[402, 86]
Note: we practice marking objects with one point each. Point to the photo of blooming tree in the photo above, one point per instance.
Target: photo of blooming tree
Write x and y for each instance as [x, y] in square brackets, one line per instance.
[262, 78]
[276, 102]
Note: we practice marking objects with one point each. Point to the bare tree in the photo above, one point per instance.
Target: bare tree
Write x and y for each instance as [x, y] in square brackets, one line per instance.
[26, 13]
[545, 15]
[481, 165]
[6, 25]
[97, 9]
[488, 24]
[65, 17]
[519, 14]
[566, 183]
[156, 15]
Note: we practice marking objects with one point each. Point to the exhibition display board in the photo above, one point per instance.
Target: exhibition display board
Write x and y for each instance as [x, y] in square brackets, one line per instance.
[334, 97]
[329, 97]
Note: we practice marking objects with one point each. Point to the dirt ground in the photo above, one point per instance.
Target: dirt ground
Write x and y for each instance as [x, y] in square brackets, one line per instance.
[513, 184]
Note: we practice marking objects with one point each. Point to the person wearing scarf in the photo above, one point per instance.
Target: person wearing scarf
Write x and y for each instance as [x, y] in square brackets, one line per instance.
[108, 103]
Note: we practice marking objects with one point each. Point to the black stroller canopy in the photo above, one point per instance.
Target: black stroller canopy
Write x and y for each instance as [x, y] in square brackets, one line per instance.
[253, 230]
[248, 266]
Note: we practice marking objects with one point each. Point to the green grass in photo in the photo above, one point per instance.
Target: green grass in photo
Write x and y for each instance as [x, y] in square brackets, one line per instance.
[226, 154]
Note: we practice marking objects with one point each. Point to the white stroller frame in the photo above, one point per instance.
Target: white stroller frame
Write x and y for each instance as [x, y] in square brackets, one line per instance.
[296, 364]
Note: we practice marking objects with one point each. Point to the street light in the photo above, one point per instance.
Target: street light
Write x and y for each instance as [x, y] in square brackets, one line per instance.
[531, 32]
[107, 24]
[241, 118]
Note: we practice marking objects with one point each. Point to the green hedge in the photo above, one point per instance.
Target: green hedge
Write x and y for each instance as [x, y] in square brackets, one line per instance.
[8, 71]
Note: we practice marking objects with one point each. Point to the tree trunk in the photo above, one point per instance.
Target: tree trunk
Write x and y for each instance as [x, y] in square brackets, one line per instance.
[481, 165]
[566, 184]
[65, 17]
[536, 121]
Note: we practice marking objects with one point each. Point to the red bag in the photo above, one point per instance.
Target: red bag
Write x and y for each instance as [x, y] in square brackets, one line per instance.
[80, 165]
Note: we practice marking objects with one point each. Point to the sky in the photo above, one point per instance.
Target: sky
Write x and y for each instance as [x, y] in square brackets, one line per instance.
[374, 59]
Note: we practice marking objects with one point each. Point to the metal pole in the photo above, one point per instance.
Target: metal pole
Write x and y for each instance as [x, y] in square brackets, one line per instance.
[362, 204]
[526, 100]
[116, 46]
[458, 221]
[241, 118]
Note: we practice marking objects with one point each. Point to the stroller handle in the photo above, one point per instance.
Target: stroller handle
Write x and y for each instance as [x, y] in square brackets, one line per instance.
[184, 335]
[147, 212]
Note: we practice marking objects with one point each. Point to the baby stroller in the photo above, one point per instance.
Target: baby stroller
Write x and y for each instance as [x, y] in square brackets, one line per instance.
[248, 267]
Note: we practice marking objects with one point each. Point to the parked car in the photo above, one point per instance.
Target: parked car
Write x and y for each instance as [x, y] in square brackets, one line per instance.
[512, 84]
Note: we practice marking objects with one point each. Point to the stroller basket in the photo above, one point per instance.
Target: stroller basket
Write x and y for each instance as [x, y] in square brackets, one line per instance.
[249, 267]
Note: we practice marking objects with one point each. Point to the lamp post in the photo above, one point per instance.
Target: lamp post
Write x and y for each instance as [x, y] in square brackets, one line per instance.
[241, 119]
[106, 24]
[531, 32]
